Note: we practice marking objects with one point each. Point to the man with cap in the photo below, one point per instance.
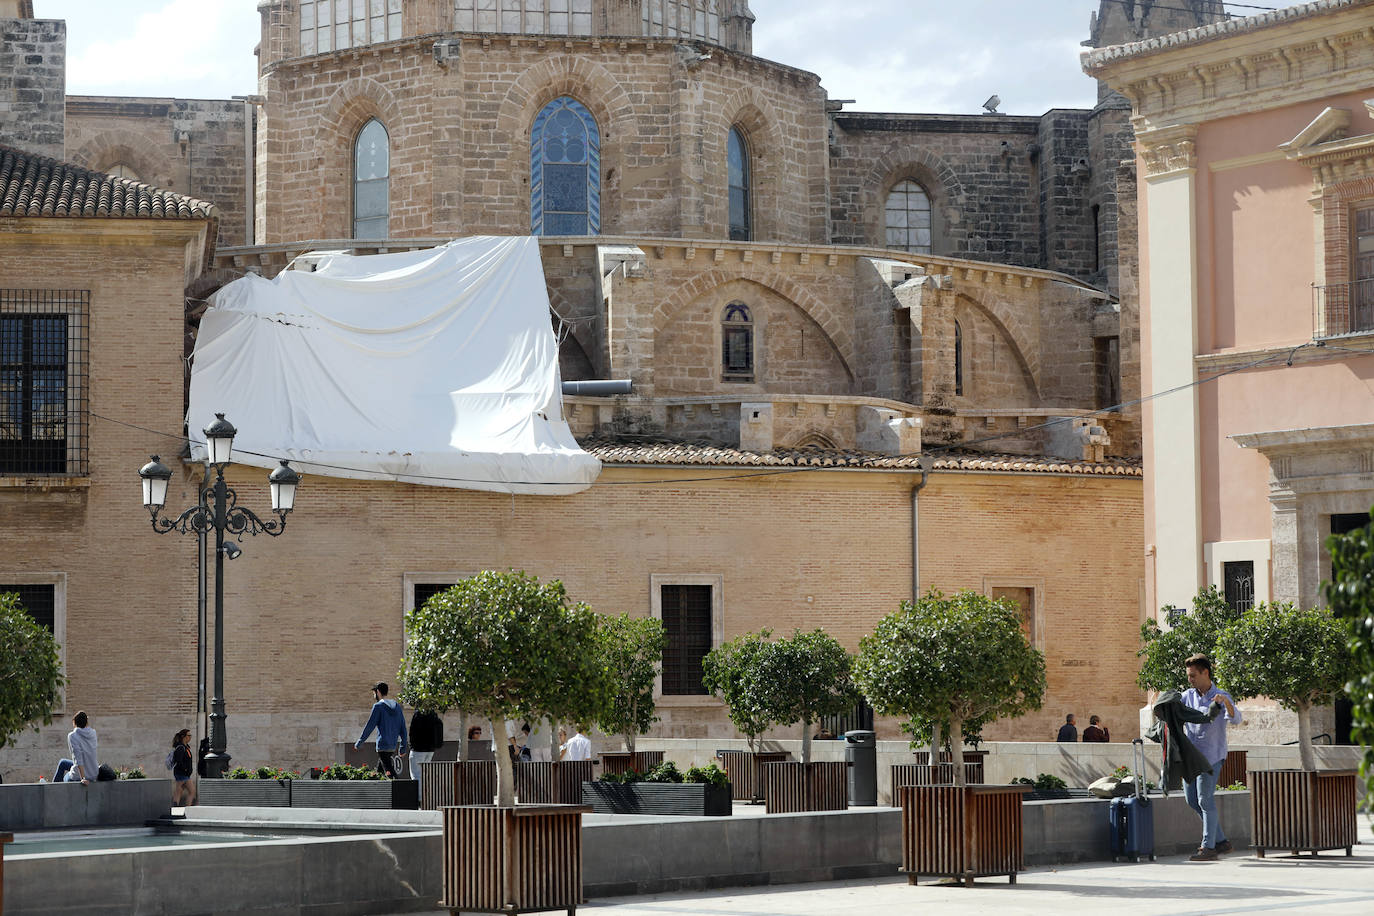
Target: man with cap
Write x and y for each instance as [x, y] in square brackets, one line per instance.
[390, 723]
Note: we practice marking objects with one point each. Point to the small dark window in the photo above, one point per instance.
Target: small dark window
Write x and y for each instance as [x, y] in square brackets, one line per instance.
[1346, 522]
[1107, 369]
[426, 591]
[38, 600]
[737, 343]
[687, 624]
[738, 166]
[1172, 615]
[958, 359]
[1097, 237]
[42, 381]
[1239, 576]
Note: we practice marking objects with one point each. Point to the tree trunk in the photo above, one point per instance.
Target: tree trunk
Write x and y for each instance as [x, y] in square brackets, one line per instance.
[1309, 760]
[956, 750]
[935, 741]
[553, 740]
[752, 741]
[462, 736]
[806, 742]
[629, 737]
[505, 771]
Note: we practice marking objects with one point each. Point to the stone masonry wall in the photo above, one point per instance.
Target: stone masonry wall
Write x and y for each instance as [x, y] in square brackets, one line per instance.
[33, 83]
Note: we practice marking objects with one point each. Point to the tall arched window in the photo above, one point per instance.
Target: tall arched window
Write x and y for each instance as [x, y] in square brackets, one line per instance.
[907, 217]
[737, 158]
[737, 343]
[565, 170]
[371, 182]
[958, 359]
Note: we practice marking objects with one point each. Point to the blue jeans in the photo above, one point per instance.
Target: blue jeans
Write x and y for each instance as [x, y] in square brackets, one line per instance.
[1201, 795]
[64, 766]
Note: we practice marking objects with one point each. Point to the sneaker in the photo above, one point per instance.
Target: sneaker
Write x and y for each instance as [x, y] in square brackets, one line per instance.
[1203, 854]
[1224, 846]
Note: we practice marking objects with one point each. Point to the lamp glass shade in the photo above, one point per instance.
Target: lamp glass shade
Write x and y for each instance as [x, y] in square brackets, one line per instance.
[219, 440]
[155, 475]
[283, 482]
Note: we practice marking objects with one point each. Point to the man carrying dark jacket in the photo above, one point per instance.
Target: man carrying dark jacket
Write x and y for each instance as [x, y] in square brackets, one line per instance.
[390, 723]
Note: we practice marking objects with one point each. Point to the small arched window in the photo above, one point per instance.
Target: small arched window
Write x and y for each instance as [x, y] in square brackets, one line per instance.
[737, 343]
[371, 182]
[907, 217]
[565, 170]
[738, 166]
[958, 359]
[120, 170]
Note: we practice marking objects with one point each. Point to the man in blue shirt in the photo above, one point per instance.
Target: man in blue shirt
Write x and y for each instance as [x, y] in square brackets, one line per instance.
[390, 723]
[1210, 740]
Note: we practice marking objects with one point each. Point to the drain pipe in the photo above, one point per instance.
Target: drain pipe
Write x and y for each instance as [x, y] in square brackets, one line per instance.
[598, 388]
[916, 537]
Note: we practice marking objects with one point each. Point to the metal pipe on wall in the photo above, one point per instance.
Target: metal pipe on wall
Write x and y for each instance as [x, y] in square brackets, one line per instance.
[916, 536]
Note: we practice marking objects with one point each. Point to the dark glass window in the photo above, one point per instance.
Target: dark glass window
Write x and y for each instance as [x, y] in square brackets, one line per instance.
[1346, 522]
[1107, 369]
[42, 381]
[1239, 576]
[38, 600]
[426, 591]
[687, 624]
[565, 170]
[737, 343]
[958, 359]
[371, 182]
[738, 166]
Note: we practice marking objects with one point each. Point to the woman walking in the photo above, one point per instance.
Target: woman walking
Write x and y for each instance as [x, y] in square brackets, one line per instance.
[183, 769]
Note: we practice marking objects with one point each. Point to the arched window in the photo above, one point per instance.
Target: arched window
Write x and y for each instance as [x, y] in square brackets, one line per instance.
[907, 217]
[371, 182]
[737, 157]
[565, 170]
[958, 359]
[737, 343]
[120, 170]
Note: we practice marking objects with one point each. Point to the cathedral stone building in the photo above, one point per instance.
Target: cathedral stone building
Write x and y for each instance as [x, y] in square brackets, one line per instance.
[932, 314]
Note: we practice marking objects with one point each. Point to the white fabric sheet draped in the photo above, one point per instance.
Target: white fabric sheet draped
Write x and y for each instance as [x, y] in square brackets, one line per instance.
[434, 367]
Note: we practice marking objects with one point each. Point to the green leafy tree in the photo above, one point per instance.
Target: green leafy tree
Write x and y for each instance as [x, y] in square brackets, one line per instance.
[634, 653]
[1351, 596]
[729, 671]
[950, 660]
[801, 679]
[506, 646]
[30, 671]
[1297, 657]
[1164, 650]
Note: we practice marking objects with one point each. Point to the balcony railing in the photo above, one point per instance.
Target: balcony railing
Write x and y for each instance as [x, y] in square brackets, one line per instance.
[1343, 308]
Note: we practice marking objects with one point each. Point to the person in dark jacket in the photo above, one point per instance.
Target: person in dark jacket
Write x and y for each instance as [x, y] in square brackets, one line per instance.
[1209, 738]
[183, 768]
[426, 737]
[1068, 732]
[390, 724]
[1096, 731]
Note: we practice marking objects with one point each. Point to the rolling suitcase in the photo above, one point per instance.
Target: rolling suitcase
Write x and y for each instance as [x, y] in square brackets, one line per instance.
[1131, 821]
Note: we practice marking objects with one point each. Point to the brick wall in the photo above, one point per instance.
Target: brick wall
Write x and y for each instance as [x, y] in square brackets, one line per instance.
[33, 83]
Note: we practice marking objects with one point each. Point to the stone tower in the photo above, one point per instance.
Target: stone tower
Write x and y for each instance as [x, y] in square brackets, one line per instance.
[1124, 21]
[33, 55]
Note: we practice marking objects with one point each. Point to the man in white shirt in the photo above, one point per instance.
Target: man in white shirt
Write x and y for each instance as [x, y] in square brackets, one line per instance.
[578, 747]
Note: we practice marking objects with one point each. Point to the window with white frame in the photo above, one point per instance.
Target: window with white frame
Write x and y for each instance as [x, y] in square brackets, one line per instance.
[44, 597]
[691, 610]
[1239, 570]
[525, 17]
[334, 25]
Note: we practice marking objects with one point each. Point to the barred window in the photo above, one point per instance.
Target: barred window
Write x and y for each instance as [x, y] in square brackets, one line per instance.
[371, 182]
[43, 382]
[737, 343]
[738, 169]
[527, 17]
[44, 597]
[565, 170]
[333, 25]
[687, 626]
[907, 218]
[1239, 583]
[38, 600]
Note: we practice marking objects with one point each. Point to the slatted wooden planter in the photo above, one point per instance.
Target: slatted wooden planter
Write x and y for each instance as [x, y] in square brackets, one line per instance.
[923, 757]
[687, 799]
[457, 782]
[625, 761]
[245, 793]
[745, 773]
[523, 859]
[1233, 770]
[962, 832]
[1303, 812]
[815, 786]
[941, 774]
[557, 782]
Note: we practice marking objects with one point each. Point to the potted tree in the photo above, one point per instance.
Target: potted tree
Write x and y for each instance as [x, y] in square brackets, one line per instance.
[729, 671]
[1299, 658]
[801, 679]
[634, 652]
[506, 646]
[1351, 596]
[946, 661]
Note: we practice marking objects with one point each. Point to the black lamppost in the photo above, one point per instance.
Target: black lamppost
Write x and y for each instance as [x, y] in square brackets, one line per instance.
[225, 515]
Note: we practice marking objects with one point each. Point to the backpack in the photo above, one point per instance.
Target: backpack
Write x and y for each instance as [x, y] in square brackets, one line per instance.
[171, 760]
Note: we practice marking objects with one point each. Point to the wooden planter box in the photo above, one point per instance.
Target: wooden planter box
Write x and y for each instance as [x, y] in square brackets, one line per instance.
[244, 793]
[1303, 812]
[675, 798]
[394, 794]
[624, 761]
[969, 832]
[457, 782]
[745, 771]
[923, 757]
[789, 787]
[551, 783]
[1233, 770]
[941, 774]
[513, 860]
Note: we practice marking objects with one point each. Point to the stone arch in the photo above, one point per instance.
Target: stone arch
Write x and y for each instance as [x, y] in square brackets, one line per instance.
[930, 171]
[813, 438]
[589, 83]
[757, 119]
[1013, 329]
[579, 344]
[353, 104]
[116, 145]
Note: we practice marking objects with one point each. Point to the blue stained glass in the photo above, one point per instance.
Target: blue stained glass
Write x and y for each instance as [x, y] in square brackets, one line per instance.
[565, 188]
[565, 224]
[565, 170]
[737, 161]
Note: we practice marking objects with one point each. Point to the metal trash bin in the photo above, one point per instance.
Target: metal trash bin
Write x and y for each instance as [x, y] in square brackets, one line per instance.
[861, 753]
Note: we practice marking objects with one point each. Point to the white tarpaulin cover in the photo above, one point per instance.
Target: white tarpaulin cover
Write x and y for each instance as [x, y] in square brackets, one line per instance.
[434, 367]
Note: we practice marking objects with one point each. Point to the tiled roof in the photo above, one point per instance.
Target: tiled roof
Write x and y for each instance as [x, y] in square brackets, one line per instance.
[663, 452]
[1103, 56]
[32, 185]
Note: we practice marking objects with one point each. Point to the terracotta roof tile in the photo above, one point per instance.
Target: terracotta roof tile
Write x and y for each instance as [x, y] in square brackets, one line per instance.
[32, 185]
[616, 451]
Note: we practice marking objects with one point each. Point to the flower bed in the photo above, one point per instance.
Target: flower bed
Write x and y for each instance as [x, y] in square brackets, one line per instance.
[338, 786]
[701, 791]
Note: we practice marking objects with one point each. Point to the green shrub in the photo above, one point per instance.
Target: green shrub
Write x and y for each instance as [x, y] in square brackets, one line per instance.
[261, 773]
[342, 771]
[1236, 786]
[1044, 782]
[666, 771]
[132, 773]
[624, 778]
[710, 774]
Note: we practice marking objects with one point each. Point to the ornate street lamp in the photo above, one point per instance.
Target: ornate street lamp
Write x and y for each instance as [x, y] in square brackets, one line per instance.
[225, 515]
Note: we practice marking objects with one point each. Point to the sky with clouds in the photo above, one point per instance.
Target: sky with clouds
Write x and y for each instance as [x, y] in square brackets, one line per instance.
[887, 55]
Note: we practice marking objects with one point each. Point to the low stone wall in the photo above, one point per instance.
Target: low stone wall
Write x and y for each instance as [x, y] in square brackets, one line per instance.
[52, 806]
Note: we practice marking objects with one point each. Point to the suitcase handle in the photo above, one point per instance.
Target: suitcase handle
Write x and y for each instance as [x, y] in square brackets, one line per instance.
[1138, 761]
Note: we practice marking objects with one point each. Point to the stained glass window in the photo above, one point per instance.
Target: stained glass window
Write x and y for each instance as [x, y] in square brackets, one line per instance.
[737, 156]
[565, 170]
[371, 182]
